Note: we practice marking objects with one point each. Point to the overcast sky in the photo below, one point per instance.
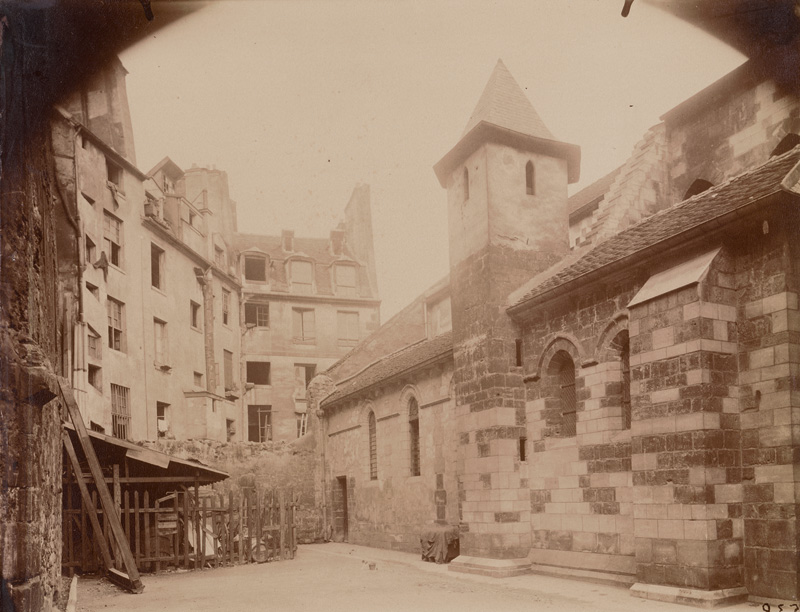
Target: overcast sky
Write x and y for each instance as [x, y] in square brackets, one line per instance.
[301, 100]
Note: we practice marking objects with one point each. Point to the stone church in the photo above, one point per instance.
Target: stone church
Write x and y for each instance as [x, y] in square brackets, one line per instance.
[605, 386]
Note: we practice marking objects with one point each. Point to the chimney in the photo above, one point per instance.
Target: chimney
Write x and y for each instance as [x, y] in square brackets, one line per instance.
[287, 240]
[337, 241]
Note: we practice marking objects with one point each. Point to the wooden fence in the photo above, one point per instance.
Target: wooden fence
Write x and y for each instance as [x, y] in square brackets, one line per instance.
[188, 528]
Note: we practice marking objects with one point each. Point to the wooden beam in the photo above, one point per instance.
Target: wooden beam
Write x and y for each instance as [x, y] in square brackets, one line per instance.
[87, 501]
[133, 583]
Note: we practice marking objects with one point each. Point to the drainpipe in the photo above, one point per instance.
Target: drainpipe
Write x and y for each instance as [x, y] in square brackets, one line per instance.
[75, 333]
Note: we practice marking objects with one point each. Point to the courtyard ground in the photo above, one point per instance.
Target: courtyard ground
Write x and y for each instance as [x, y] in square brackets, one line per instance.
[335, 577]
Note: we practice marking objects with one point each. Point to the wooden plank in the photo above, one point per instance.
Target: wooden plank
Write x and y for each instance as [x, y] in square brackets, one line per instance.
[241, 526]
[101, 542]
[157, 551]
[257, 526]
[97, 475]
[96, 547]
[146, 515]
[137, 523]
[127, 514]
[251, 525]
[230, 528]
[290, 520]
[204, 480]
[196, 516]
[84, 540]
[282, 503]
[186, 529]
[69, 532]
[177, 538]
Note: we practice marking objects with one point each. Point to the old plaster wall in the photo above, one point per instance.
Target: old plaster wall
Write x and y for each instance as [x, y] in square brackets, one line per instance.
[391, 510]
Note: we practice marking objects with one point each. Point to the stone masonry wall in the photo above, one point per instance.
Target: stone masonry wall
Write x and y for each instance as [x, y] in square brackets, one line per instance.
[580, 487]
[30, 351]
[769, 365]
[390, 510]
[685, 435]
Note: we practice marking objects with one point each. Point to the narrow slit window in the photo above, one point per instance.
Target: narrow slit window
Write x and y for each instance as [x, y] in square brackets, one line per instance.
[466, 184]
[413, 433]
[530, 185]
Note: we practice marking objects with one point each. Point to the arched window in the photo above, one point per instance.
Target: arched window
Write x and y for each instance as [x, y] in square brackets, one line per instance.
[373, 448]
[621, 344]
[530, 187]
[564, 369]
[466, 184]
[413, 435]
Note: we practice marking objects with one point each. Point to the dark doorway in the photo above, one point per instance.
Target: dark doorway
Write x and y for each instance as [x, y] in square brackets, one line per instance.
[340, 508]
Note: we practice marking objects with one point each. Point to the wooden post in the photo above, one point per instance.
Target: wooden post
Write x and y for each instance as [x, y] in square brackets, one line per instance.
[67, 529]
[185, 529]
[137, 518]
[84, 542]
[157, 551]
[177, 538]
[196, 515]
[231, 533]
[127, 514]
[257, 545]
[98, 534]
[146, 512]
[241, 525]
[282, 503]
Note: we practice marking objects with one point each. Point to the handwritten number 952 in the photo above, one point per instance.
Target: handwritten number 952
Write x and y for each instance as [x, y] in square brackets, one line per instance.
[767, 608]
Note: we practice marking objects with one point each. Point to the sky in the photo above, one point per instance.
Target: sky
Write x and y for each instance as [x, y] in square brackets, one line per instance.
[301, 100]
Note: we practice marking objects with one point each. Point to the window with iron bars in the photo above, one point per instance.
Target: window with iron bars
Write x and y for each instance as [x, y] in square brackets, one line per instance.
[120, 412]
[373, 447]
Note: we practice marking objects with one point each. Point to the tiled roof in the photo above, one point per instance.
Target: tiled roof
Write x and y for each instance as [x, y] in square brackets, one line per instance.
[504, 103]
[589, 194]
[391, 365]
[717, 201]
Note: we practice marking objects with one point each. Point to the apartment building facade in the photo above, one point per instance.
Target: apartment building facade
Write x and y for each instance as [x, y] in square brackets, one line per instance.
[161, 301]
[306, 303]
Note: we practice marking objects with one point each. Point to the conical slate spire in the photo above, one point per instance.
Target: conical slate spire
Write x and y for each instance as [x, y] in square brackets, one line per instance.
[504, 104]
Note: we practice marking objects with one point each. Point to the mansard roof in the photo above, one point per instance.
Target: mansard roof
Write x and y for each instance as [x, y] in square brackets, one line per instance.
[317, 249]
[504, 104]
[402, 361]
[712, 205]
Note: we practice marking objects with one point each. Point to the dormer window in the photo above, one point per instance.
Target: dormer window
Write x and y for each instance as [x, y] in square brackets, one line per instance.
[530, 186]
[301, 274]
[219, 257]
[255, 268]
[344, 277]
[466, 184]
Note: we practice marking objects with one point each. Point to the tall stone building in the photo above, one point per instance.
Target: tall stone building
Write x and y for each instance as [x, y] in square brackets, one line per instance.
[177, 325]
[613, 394]
[306, 302]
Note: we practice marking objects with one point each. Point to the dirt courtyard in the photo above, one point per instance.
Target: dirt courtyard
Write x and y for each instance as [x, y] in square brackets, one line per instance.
[335, 577]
